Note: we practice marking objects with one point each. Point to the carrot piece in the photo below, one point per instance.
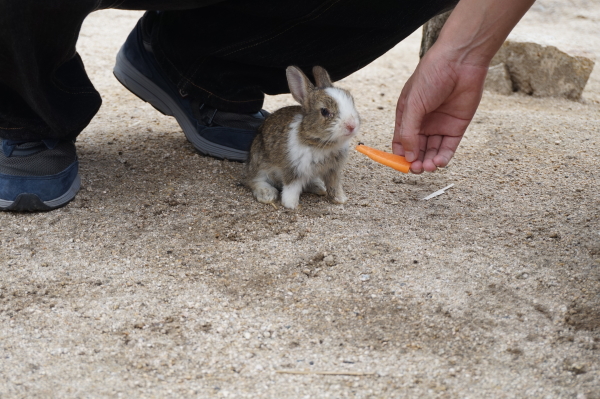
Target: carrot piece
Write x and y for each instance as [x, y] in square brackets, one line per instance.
[385, 158]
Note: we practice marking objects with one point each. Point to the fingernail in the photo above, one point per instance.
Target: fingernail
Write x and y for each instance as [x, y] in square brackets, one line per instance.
[410, 157]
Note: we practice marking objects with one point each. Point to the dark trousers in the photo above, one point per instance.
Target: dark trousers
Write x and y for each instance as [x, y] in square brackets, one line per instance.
[226, 53]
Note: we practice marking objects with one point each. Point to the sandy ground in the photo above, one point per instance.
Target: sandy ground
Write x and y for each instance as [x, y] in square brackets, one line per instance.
[164, 278]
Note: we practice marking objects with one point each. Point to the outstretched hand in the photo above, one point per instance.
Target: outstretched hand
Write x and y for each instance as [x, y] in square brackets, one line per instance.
[441, 97]
[435, 107]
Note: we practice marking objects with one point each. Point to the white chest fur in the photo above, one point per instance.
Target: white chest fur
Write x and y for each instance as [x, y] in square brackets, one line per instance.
[308, 162]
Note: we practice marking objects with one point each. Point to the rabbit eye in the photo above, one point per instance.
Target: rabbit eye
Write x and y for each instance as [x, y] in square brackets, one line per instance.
[325, 112]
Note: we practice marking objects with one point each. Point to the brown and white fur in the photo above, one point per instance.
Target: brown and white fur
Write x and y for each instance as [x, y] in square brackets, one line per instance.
[304, 148]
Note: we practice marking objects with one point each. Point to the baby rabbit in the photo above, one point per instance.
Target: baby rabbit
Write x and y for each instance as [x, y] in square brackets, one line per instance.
[303, 148]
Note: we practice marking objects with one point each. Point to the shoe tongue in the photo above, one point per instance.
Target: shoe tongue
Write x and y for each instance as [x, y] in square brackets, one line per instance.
[214, 117]
[238, 121]
[24, 148]
[28, 145]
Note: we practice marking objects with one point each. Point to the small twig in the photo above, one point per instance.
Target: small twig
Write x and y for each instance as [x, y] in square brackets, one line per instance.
[323, 372]
[439, 192]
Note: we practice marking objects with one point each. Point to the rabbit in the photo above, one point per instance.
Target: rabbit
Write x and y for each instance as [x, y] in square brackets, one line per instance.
[304, 148]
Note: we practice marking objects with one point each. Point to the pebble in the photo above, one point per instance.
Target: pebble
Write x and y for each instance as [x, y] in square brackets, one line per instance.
[365, 277]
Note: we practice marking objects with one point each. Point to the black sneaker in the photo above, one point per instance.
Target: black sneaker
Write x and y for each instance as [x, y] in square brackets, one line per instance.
[37, 176]
[212, 132]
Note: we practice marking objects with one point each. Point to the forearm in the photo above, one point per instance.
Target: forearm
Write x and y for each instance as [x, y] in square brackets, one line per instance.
[477, 28]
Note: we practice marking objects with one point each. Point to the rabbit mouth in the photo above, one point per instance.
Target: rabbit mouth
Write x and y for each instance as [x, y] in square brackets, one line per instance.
[350, 129]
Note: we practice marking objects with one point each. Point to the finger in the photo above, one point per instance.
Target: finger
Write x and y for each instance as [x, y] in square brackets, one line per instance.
[397, 148]
[408, 126]
[409, 133]
[422, 146]
[429, 166]
[446, 151]
[416, 167]
[433, 144]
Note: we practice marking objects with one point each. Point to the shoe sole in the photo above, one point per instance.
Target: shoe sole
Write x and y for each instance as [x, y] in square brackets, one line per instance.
[32, 203]
[148, 91]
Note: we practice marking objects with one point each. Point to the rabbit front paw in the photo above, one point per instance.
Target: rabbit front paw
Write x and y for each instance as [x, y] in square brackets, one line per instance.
[337, 195]
[340, 199]
[266, 194]
[291, 203]
[316, 187]
[290, 195]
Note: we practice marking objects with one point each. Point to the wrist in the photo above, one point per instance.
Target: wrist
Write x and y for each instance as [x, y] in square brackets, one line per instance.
[477, 28]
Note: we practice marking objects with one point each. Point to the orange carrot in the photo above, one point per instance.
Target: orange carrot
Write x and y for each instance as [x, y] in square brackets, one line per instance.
[393, 161]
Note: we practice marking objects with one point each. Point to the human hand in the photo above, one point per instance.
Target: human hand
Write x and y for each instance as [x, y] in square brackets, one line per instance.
[440, 98]
[435, 107]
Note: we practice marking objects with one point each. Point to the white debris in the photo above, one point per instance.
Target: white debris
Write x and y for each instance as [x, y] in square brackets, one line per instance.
[439, 192]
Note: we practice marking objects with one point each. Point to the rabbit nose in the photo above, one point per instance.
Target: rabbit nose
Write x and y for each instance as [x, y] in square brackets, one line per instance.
[350, 127]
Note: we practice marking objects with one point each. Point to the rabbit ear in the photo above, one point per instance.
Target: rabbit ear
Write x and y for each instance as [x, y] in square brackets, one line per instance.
[298, 83]
[322, 78]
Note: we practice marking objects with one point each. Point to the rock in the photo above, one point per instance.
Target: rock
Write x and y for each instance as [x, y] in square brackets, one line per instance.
[431, 31]
[498, 80]
[574, 367]
[544, 71]
[329, 260]
[523, 275]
